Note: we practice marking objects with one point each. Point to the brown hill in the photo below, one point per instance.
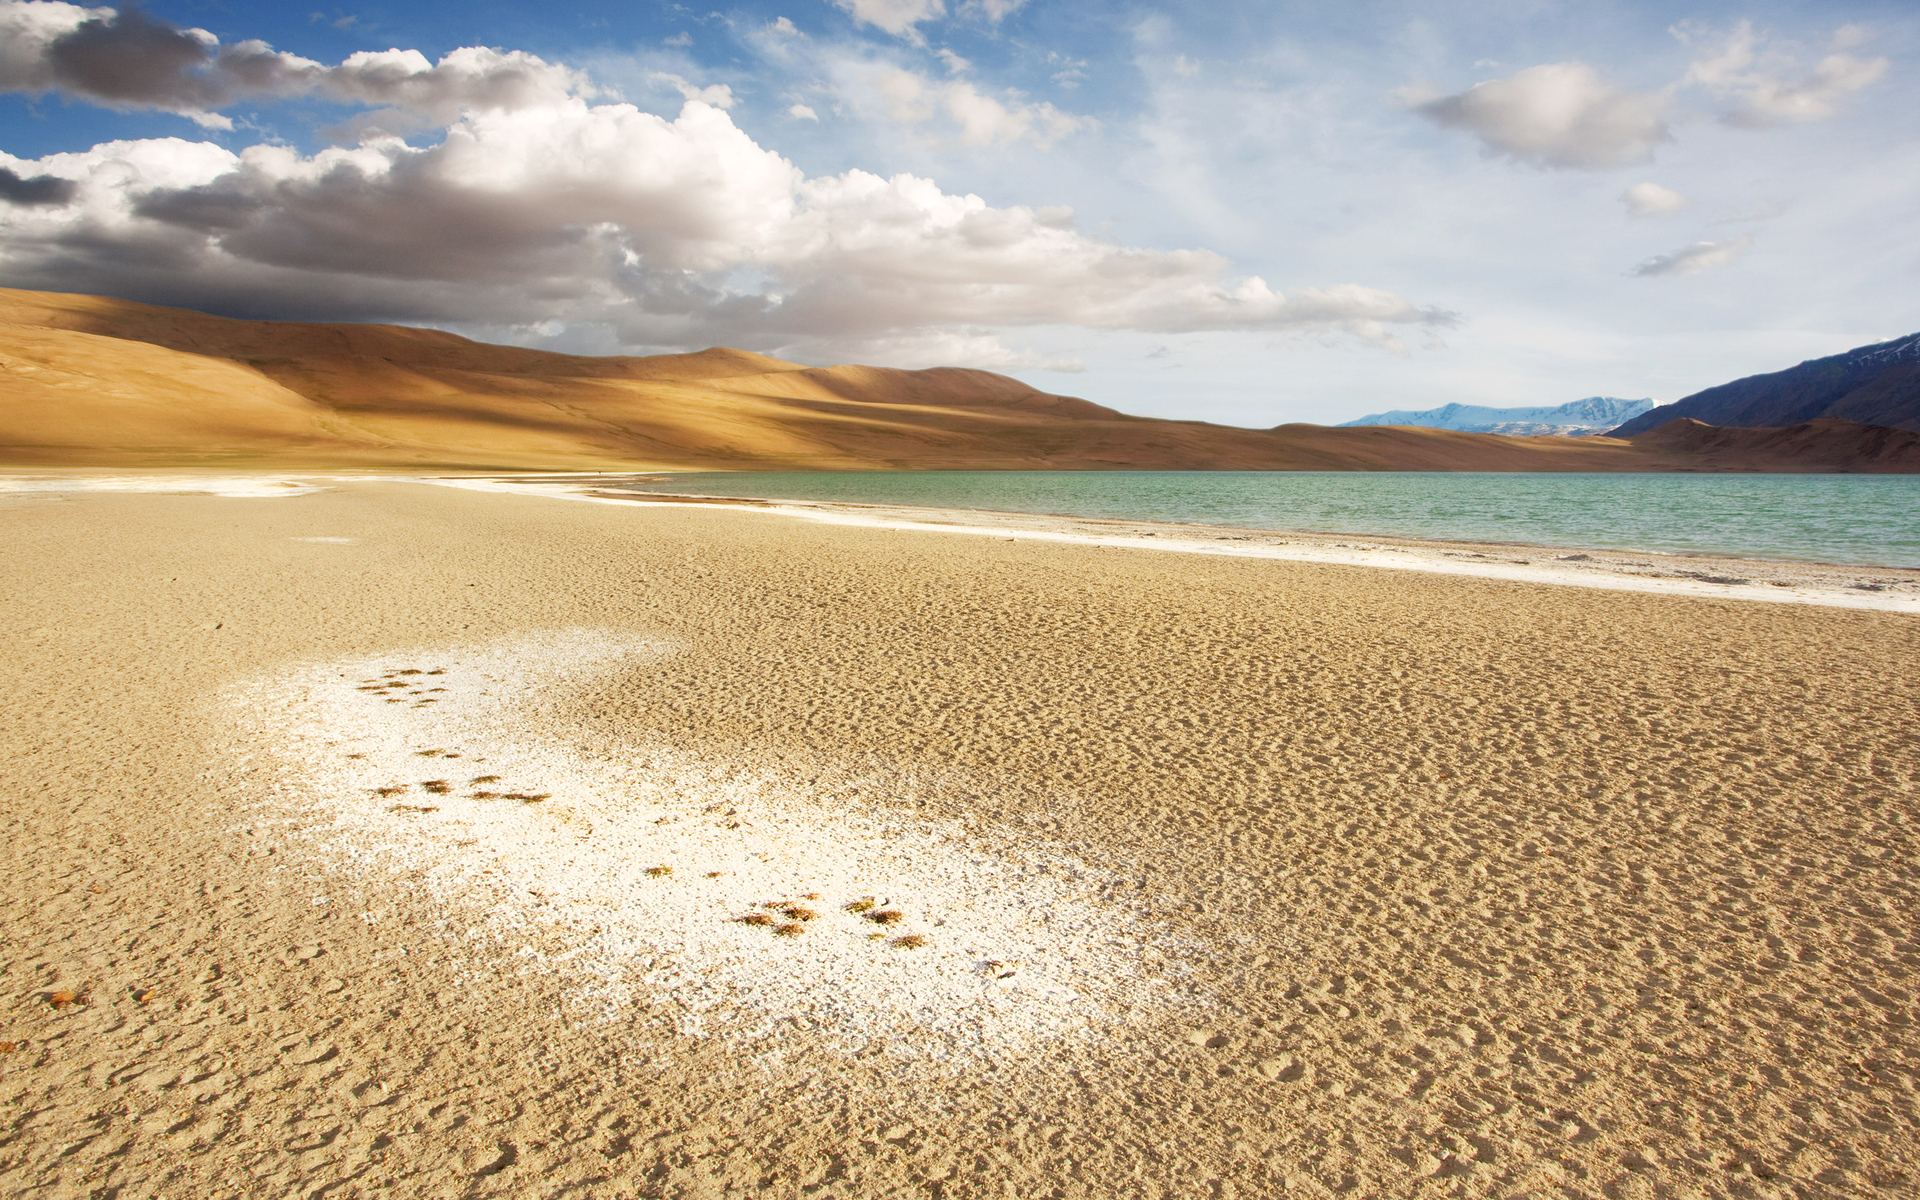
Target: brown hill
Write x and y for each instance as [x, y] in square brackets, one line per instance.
[90, 381]
[1829, 444]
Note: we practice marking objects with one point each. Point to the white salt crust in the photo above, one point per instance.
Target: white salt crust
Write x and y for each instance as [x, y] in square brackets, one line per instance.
[1018, 946]
[247, 487]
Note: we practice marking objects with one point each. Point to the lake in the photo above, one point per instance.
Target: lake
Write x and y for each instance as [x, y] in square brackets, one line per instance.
[1866, 520]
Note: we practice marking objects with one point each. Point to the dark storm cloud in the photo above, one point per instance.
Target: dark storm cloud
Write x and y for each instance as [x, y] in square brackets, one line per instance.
[39, 189]
[131, 59]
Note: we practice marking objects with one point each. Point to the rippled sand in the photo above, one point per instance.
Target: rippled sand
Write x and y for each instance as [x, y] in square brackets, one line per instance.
[1232, 876]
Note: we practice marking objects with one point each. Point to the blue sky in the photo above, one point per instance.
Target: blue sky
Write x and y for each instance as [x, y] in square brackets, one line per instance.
[1247, 213]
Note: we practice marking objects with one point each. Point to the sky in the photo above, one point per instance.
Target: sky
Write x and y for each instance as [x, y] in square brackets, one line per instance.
[1249, 213]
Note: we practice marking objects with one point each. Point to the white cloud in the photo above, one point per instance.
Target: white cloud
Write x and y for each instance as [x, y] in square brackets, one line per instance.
[1691, 260]
[1848, 36]
[719, 95]
[1757, 83]
[898, 17]
[680, 232]
[994, 10]
[784, 28]
[802, 112]
[960, 348]
[1564, 115]
[683, 38]
[1652, 200]
[983, 119]
[1556, 115]
[954, 63]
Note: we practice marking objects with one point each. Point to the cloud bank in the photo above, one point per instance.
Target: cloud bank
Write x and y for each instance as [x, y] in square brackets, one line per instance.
[538, 209]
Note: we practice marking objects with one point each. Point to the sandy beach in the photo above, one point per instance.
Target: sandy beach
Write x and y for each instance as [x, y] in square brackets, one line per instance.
[385, 836]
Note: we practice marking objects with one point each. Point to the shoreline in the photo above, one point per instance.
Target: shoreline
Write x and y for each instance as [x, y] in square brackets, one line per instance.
[1779, 581]
[1775, 581]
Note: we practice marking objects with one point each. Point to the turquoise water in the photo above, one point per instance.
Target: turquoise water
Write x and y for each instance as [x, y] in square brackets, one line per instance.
[1868, 520]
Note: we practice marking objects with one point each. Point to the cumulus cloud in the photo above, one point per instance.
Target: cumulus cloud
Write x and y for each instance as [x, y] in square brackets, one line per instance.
[127, 60]
[1556, 115]
[1758, 84]
[1691, 260]
[539, 210]
[1652, 200]
[668, 233]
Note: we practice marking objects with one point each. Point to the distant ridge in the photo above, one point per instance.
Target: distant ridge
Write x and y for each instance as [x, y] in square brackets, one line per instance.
[1873, 385]
[1595, 414]
[90, 382]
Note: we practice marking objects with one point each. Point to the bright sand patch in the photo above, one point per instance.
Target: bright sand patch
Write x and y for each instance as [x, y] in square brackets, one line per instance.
[745, 905]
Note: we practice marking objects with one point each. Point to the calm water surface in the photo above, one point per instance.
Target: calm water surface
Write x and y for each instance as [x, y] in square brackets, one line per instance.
[1871, 520]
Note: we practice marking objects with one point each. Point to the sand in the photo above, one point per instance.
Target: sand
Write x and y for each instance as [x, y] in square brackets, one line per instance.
[1236, 876]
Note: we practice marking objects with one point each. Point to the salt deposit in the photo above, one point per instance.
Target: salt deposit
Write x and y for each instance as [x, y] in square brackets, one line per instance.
[745, 906]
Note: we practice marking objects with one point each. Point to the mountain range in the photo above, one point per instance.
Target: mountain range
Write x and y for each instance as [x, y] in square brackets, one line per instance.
[92, 382]
[1873, 385]
[1576, 418]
